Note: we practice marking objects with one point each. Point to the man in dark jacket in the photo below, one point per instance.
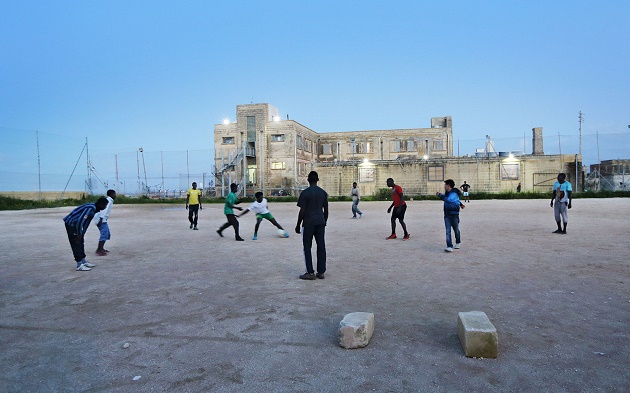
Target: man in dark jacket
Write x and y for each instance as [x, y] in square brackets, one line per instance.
[452, 205]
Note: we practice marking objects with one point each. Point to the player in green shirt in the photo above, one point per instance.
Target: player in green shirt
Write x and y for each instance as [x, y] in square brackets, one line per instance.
[230, 204]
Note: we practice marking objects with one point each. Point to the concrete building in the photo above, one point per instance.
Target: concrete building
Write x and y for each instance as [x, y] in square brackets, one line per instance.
[262, 151]
[611, 175]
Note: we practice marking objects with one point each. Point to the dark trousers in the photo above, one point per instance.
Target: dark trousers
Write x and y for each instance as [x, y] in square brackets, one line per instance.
[232, 221]
[318, 232]
[452, 221]
[193, 214]
[78, 248]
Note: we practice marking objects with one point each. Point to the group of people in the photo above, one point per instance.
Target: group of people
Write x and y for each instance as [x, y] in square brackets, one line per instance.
[311, 221]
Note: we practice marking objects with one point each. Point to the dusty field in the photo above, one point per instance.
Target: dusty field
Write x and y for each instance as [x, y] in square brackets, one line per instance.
[203, 313]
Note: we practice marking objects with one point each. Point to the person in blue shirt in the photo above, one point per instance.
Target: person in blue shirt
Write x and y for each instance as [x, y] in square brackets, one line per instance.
[77, 223]
[452, 205]
[562, 194]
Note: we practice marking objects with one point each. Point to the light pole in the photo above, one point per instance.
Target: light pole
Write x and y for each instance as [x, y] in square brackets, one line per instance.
[353, 145]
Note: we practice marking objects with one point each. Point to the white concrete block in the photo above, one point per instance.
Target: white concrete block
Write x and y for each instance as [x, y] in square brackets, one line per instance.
[356, 329]
[477, 335]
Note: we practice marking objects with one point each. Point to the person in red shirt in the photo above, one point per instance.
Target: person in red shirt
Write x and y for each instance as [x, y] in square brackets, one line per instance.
[400, 207]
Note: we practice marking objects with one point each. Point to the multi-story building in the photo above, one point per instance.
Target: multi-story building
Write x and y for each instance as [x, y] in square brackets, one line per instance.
[262, 151]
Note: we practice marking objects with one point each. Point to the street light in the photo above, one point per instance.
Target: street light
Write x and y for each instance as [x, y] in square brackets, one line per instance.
[226, 121]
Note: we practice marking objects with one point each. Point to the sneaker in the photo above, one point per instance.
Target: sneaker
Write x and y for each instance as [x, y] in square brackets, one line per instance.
[307, 276]
[195, 229]
[406, 237]
[286, 234]
[191, 226]
[320, 276]
[105, 250]
[557, 231]
[101, 253]
[448, 249]
[255, 237]
[219, 232]
[354, 216]
[564, 232]
[390, 237]
[88, 264]
[457, 245]
[240, 239]
[360, 215]
[83, 268]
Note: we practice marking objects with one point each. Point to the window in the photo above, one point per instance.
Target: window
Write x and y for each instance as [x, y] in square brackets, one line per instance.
[251, 128]
[366, 175]
[300, 142]
[277, 138]
[307, 145]
[510, 171]
[277, 165]
[436, 173]
[404, 145]
[326, 149]
[438, 144]
[228, 140]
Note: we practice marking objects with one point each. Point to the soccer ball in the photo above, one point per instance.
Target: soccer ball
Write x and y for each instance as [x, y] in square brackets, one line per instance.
[282, 233]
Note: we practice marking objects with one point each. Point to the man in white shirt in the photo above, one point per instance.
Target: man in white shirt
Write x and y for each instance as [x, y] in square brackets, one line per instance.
[562, 194]
[261, 209]
[355, 201]
[101, 222]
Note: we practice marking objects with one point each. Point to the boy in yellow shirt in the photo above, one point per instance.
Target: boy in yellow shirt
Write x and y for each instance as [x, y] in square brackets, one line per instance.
[193, 205]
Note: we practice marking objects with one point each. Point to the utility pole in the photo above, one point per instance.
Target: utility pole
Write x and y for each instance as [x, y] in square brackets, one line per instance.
[117, 181]
[353, 145]
[138, 165]
[577, 177]
[89, 169]
[39, 170]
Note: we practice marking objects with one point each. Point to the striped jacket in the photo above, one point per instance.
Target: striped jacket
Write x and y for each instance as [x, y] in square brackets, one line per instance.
[79, 219]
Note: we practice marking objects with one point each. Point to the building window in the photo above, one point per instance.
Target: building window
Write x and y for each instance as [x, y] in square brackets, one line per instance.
[300, 142]
[438, 144]
[307, 145]
[228, 140]
[277, 138]
[277, 165]
[251, 128]
[326, 149]
[510, 171]
[401, 146]
[366, 175]
[436, 173]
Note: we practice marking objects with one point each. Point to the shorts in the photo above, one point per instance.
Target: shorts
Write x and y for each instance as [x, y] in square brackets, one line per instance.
[105, 235]
[465, 193]
[399, 213]
[268, 216]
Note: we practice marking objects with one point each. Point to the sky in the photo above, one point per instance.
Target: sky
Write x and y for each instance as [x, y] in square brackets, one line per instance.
[160, 74]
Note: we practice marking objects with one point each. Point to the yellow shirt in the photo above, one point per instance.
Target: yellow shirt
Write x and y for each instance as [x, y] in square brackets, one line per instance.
[193, 196]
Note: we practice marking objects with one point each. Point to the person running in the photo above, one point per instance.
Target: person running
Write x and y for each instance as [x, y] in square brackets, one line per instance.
[400, 207]
[261, 208]
[230, 204]
[102, 225]
[312, 218]
[193, 205]
[465, 188]
[355, 201]
[562, 194]
[451, 213]
[77, 223]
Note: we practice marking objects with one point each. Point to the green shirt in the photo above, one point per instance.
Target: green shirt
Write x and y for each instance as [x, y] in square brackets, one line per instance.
[230, 201]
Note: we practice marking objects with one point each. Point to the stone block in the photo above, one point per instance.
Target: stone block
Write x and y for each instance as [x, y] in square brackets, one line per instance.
[356, 329]
[477, 335]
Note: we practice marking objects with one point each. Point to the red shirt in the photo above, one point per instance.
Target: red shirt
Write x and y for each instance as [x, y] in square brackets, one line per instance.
[396, 194]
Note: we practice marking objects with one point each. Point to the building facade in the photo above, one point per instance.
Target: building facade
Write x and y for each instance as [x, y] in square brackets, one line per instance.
[262, 151]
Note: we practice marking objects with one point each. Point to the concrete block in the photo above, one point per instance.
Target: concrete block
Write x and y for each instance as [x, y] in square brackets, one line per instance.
[356, 329]
[477, 335]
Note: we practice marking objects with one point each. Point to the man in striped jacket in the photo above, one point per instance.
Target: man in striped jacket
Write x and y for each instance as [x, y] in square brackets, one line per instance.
[77, 223]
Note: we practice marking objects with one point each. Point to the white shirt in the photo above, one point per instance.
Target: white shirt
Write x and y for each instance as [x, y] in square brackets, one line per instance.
[104, 214]
[259, 208]
[355, 194]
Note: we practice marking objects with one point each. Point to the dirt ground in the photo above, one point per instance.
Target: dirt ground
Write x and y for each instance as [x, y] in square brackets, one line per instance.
[202, 313]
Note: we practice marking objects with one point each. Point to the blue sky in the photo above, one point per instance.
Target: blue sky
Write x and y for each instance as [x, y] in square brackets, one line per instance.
[160, 74]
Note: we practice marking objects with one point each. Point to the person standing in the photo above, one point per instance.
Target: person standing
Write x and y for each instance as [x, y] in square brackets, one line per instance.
[102, 225]
[230, 204]
[261, 208]
[77, 223]
[400, 207]
[465, 188]
[193, 205]
[562, 194]
[518, 188]
[312, 219]
[451, 214]
[355, 201]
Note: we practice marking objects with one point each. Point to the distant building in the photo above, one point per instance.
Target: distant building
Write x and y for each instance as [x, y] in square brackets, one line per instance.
[262, 151]
[612, 175]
